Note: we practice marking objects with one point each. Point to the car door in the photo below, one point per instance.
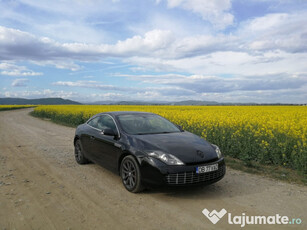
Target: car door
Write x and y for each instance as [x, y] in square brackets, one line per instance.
[88, 136]
[105, 148]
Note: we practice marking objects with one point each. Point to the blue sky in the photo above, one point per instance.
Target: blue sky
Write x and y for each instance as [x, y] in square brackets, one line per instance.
[155, 50]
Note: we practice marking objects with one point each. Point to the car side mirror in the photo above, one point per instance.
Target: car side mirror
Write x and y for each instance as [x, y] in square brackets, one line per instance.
[108, 132]
[180, 128]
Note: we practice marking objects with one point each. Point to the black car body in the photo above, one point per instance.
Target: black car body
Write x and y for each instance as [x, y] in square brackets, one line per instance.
[174, 157]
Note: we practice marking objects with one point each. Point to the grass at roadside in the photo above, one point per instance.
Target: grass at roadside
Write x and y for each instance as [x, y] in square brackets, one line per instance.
[272, 171]
[11, 107]
[59, 122]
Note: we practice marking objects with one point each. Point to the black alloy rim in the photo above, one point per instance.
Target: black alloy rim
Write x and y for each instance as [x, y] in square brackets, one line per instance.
[78, 152]
[129, 174]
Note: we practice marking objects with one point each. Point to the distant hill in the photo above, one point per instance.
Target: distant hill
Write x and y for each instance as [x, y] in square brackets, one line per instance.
[100, 102]
[128, 103]
[188, 102]
[194, 102]
[137, 103]
[40, 101]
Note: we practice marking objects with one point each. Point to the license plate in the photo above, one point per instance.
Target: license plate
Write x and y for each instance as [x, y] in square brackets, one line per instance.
[207, 168]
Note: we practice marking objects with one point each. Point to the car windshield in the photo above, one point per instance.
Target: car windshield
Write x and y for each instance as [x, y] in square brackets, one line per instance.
[139, 124]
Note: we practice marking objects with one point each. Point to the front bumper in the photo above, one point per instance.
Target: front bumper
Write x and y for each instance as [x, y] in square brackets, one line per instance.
[154, 172]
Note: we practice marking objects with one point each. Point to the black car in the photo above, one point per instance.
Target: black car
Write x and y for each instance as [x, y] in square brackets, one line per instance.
[147, 149]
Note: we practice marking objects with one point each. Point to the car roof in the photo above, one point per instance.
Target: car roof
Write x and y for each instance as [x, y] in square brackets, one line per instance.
[116, 113]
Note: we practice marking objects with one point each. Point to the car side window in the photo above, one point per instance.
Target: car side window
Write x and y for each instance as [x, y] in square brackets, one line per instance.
[106, 122]
[94, 122]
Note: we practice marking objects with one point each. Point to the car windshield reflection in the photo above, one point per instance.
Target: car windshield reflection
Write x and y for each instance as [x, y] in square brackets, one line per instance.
[146, 124]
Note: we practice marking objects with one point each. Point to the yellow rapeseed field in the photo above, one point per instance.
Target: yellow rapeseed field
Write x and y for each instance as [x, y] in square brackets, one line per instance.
[10, 107]
[266, 134]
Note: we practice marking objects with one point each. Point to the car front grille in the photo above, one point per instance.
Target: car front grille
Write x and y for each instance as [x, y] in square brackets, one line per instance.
[193, 178]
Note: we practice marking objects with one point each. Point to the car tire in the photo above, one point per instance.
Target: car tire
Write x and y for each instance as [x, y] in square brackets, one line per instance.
[79, 156]
[131, 174]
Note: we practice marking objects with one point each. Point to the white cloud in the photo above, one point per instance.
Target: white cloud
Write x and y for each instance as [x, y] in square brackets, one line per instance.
[277, 31]
[19, 73]
[20, 82]
[41, 94]
[216, 12]
[79, 8]
[60, 64]
[68, 31]
[89, 84]
[210, 84]
[285, 33]
[88, 77]
[172, 90]
[267, 22]
[254, 88]
[268, 96]
[153, 41]
[203, 44]
[16, 44]
[175, 87]
[228, 62]
[11, 69]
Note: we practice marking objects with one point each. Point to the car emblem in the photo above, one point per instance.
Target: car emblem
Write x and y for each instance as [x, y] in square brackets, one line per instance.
[200, 153]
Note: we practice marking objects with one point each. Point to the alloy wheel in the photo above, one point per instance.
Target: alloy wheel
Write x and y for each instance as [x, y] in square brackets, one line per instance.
[129, 174]
[78, 152]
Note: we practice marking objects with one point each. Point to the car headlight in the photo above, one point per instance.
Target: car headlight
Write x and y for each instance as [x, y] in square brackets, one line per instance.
[217, 150]
[168, 159]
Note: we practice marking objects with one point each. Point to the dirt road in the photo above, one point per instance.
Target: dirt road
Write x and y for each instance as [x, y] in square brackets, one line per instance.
[42, 187]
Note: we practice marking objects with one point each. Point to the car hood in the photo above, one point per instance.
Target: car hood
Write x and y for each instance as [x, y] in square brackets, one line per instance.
[188, 147]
